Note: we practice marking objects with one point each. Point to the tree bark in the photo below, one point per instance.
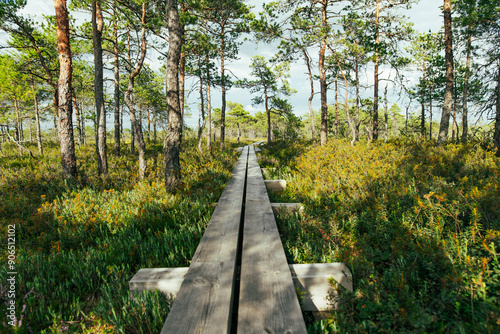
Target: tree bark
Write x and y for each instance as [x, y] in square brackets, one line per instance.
[322, 75]
[422, 120]
[116, 80]
[336, 109]
[356, 117]
[448, 95]
[375, 73]
[223, 88]
[135, 123]
[209, 98]
[201, 119]
[97, 28]
[37, 120]
[386, 115]
[172, 143]
[77, 114]
[68, 157]
[496, 135]
[311, 96]
[268, 114]
[465, 125]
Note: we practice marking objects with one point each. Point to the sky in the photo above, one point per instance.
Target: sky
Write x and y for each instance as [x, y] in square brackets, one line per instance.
[425, 15]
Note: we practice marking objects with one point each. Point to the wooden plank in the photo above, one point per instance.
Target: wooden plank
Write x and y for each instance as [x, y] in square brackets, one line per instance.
[166, 280]
[275, 185]
[287, 207]
[205, 300]
[268, 302]
[203, 304]
[312, 279]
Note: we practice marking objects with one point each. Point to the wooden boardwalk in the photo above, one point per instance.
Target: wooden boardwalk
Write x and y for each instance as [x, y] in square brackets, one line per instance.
[239, 280]
[268, 302]
[205, 301]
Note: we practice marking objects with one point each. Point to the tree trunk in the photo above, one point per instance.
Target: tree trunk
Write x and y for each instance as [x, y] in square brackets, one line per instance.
[223, 88]
[18, 123]
[465, 125]
[311, 96]
[454, 126]
[68, 157]
[268, 115]
[386, 115]
[82, 119]
[182, 65]
[322, 75]
[77, 114]
[209, 118]
[375, 73]
[336, 109]
[356, 117]
[201, 119]
[496, 135]
[116, 80]
[422, 120]
[132, 132]
[209, 99]
[430, 114]
[135, 124]
[346, 106]
[97, 28]
[37, 121]
[172, 143]
[448, 95]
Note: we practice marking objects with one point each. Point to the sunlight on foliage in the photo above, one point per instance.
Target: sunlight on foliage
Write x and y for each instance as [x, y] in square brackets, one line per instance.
[80, 243]
[418, 226]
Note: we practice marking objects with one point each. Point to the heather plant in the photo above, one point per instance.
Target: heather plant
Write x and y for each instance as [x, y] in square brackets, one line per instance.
[80, 242]
[418, 226]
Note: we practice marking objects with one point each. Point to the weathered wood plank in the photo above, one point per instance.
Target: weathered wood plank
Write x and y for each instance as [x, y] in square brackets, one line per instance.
[275, 185]
[312, 280]
[203, 304]
[287, 207]
[268, 302]
[205, 300]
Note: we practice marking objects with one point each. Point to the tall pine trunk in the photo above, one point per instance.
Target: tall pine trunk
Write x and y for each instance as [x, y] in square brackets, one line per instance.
[135, 123]
[465, 125]
[77, 114]
[116, 71]
[97, 28]
[209, 99]
[201, 119]
[172, 142]
[322, 75]
[448, 95]
[496, 135]
[375, 73]
[37, 120]
[422, 120]
[311, 96]
[64, 105]
[223, 88]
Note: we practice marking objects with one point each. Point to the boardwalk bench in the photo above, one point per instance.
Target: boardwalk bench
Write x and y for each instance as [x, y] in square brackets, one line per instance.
[239, 280]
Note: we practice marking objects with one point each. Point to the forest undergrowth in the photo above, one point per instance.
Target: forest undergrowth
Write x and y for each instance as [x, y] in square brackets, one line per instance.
[79, 243]
[418, 226]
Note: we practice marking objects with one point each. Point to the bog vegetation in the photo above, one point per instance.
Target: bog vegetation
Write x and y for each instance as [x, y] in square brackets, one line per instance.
[418, 226]
[80, 242]
[405, 192]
